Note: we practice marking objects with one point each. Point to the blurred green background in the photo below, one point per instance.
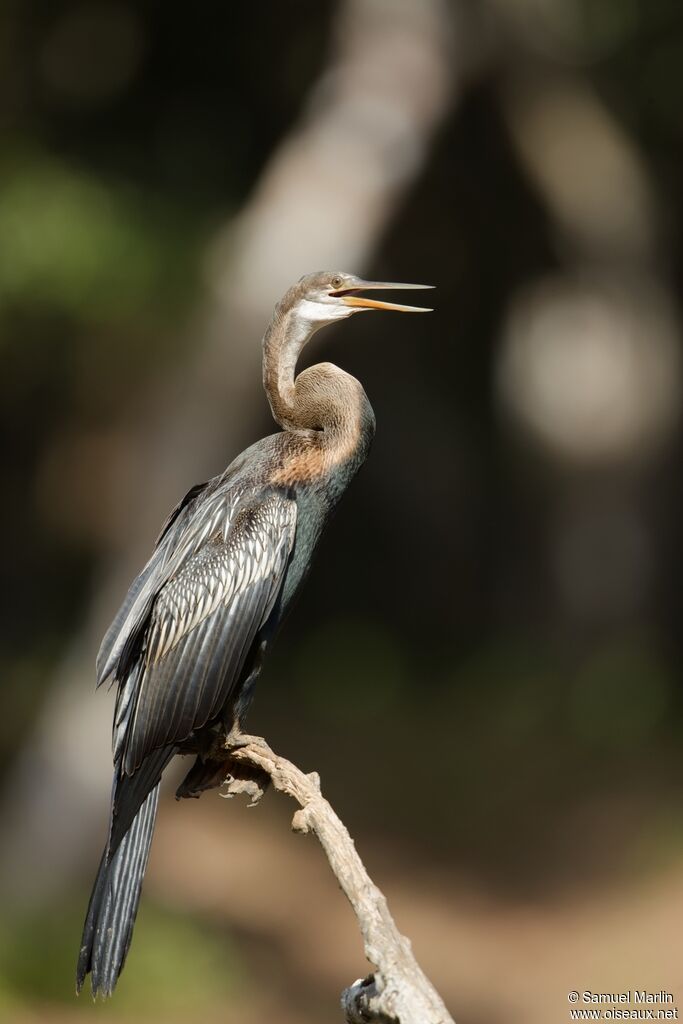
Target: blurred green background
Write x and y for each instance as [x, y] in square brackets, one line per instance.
[485, 664]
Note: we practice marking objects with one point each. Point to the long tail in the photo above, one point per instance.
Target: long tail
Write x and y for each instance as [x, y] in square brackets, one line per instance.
[114, 903]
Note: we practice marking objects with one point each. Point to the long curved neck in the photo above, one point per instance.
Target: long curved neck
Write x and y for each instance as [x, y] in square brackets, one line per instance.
[323, 397]
[327, 404]
[283, 343]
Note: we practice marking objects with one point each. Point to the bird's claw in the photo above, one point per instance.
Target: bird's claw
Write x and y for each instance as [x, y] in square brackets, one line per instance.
[236, 739]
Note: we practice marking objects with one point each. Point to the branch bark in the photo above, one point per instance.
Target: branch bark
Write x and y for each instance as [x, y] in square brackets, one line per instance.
[397, 990]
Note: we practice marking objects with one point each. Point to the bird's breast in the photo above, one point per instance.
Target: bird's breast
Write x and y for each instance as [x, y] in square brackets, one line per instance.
[323, 459]
[303, 461]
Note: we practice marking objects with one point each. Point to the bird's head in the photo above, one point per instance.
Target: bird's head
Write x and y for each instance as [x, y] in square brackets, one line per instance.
[329, 295]
[314, 301]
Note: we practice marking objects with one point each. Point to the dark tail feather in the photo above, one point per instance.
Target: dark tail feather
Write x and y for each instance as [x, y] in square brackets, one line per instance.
[129, 792]
[114, 903]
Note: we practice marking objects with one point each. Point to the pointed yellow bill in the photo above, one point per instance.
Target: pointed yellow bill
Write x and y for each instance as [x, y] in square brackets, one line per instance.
[365, 303]
[350, 297]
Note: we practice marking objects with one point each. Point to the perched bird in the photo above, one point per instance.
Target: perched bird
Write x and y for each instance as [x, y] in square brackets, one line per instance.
[187, 645]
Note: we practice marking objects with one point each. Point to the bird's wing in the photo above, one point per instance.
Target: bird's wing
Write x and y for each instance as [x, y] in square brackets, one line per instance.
[183, 533]
[201, 628]
[173, 515]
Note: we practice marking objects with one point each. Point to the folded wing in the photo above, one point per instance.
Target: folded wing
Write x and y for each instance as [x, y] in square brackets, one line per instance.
[201, 626]
[206, 509]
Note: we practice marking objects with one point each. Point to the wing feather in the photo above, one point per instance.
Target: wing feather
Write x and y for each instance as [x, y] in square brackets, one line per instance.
[138, 598]
[203, 624]
[176, 544]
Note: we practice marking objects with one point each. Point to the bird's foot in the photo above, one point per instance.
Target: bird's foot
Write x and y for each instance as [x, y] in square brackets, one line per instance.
[203, 775]
[244, 777]
[236, 739]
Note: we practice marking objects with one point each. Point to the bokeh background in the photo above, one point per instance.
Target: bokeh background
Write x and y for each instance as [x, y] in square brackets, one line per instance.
[485, 664]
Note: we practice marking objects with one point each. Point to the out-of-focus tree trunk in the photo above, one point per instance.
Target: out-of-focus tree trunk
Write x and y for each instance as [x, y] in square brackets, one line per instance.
[323, 201]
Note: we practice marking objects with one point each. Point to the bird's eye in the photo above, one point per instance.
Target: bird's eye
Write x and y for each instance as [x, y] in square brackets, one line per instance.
[337, 282]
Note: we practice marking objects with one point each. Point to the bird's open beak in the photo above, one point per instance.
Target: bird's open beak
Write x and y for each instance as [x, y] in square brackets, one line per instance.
[350, 296]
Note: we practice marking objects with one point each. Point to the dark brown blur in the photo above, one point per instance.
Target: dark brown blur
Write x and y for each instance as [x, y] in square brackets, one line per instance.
[485, 664]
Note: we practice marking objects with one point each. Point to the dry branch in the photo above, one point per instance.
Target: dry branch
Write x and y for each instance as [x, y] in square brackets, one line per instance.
[397, 990]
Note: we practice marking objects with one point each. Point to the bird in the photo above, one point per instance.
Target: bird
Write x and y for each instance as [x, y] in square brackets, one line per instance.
[188, 643]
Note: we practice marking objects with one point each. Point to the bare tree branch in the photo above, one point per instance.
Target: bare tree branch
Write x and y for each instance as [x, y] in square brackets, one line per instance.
[397, 990]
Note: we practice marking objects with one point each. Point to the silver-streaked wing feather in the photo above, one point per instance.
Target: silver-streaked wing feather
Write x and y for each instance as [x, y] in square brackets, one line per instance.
[173, 515]
[202, 626]
[136, 602]
[183, 533]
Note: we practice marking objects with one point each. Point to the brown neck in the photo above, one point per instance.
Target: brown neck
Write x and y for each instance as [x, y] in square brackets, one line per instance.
[323, 397]
[322, 401]
[282, 346]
